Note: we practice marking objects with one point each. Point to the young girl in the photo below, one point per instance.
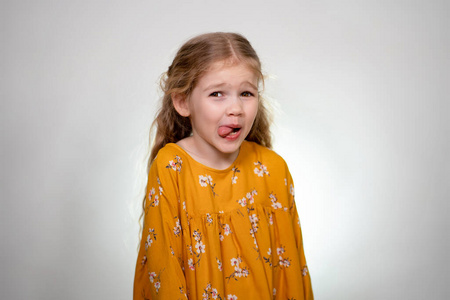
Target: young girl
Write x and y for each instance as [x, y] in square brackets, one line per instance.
[220, 220]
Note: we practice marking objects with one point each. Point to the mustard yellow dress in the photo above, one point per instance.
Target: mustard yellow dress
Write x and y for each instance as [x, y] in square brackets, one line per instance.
[221, 234]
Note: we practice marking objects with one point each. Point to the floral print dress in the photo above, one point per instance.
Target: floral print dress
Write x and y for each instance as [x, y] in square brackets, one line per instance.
[221, 234]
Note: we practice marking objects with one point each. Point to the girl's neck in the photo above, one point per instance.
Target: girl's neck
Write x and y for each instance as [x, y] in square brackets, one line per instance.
[211, 159]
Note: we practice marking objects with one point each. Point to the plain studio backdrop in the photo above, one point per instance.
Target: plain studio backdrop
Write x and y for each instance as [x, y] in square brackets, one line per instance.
[360, 91]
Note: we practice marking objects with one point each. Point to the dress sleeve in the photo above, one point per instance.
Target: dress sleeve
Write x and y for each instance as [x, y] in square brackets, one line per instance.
[306, 278]
[159, 273]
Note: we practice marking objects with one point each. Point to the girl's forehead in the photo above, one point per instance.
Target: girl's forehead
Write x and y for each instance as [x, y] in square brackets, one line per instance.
[228, 74]
[220, 67]
[228, 63]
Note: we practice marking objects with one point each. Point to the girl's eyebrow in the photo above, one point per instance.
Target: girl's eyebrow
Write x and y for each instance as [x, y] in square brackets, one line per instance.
[220, 85]
[214, 86]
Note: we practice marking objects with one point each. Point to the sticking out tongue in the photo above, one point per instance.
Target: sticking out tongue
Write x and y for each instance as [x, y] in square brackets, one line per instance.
[224, 131]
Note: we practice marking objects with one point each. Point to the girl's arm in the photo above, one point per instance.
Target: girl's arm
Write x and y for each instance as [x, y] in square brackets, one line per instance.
[159, 273]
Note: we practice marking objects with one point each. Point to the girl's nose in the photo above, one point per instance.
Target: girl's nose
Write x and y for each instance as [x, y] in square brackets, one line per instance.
[236, 106]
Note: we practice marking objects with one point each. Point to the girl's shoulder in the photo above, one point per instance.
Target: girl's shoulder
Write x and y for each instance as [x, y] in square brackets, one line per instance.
[262, 155]
[168, 151]
[170, 156]
[260, 152]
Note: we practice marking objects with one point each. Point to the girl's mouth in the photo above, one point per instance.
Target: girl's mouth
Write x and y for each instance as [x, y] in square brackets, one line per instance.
[229, 131]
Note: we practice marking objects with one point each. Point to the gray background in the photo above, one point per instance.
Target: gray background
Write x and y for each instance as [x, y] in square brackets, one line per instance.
[360, 91]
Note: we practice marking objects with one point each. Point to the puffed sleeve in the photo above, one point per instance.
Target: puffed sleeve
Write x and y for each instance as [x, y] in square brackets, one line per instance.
[306, 278]
[159, 273]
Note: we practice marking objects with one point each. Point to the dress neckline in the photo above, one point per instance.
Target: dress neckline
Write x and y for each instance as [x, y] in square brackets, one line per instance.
[229, 168]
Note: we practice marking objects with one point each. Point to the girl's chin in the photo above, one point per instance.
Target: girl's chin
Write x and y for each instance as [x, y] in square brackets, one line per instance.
[230, 148]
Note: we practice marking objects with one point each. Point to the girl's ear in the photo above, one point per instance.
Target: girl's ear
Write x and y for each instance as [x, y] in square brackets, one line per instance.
[181, 104]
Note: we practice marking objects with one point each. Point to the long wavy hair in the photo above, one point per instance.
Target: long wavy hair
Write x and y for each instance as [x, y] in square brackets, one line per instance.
[192, 60]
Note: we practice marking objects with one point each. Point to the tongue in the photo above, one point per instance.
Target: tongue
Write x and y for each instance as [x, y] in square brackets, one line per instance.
[224, 131]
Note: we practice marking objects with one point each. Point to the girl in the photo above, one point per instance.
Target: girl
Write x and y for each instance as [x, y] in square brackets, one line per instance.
[220, 220]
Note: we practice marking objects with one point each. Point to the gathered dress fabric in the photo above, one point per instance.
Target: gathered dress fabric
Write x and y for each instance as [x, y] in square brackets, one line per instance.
[221, 234]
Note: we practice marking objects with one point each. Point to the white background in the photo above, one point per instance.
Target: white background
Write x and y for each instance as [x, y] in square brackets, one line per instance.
[360, 90]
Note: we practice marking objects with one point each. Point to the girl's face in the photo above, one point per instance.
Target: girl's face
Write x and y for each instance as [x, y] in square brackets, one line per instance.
[222, 108]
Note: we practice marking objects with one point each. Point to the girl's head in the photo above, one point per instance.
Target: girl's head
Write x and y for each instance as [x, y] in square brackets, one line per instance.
[191, 62]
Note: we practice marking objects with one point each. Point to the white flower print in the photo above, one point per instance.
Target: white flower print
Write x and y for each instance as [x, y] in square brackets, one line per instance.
[157, 286]
[148, 242]
[242, 202]
[214, 293]
[234, 177]
[155, 278]
[274, 200]
[274, 291]
[219, 264]
[226, 229]
[200, 247]
[251, 196]
[282, 262]
[197, 235]
[291, 190]
[285, 262]
[209, 219]
[280, 250]
[260, 169]
[210, 291]
[177, 228]
[268, 259]
[253, 219]
[285, 181]
[234, 262]
[238, 270]
[248, 202]
[252, 233]
[175, 165]
[152, 276]
[205, 181]
[150, 237]
[276, 205]
[191, 264]
[153, 202]
[232, 297]
[305, 270]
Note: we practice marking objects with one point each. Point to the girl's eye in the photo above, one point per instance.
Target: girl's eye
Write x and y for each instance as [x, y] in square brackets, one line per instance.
[216, 94]
[247, 94]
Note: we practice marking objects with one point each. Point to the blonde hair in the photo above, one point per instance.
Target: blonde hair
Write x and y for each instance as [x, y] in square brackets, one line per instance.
[192, 60]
